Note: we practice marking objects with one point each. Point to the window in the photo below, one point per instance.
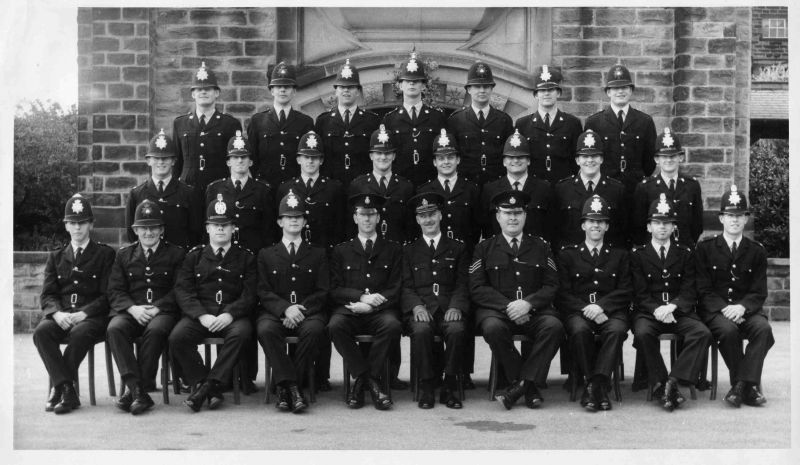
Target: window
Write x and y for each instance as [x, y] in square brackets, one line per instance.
[774, 28]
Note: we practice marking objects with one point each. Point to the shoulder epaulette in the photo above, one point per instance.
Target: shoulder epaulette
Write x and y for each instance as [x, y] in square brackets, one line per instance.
[264, 182]
[638, 247]
[394, 110]
[568, 178]
[706, 239]
[613, 181]
[244, 249]
[217, 181]
[128, 246]
[569, 246]
[683, 246]
[196, 248]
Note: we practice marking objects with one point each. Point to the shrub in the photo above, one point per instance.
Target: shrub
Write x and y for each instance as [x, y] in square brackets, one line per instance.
[45, 173]
[769, 194]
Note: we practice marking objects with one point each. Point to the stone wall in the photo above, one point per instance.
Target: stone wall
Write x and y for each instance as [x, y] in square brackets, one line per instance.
[769, 51]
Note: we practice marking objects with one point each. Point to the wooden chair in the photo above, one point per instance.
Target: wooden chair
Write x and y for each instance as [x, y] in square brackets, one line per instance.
[366, 339]
[218, 341]
[268, 381]
[415, 378]
[493, 367]
[715, 366]
[615, 376]
[674, 340]
[166, 366]
[109, 372]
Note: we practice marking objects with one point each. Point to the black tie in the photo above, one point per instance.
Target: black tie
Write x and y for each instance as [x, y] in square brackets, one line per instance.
[481, 119]
[219, 253]
[161, 187]
[282, 117]
[516, 185]
[238, 187]
[149, 254]
[514, 246]
[368, 247]
[347, 118]
[309, 183]
[414, 116]
[447, 186]
[203, 121]
[547, 120]
[595, 253]
[433, 248]
[663, 255]
[733, 250]
[672, 187]
[590, 187]
[291, 251]
[621, 118]
[78, 253]
[383, 184]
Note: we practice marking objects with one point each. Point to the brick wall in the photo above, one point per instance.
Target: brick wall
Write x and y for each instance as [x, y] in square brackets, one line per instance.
[769, 51]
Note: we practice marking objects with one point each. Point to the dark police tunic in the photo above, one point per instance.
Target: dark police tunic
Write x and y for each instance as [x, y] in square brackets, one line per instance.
[135, 281]
[688, 203]
[326, 217]
[274, 146]
[346, 148]
[253, 211]
[461, 212]
[540, 215]
[180, 208]
[552, 149]
[72, 286]
[283, 282]
[480, 146]
[201, 153]
[397, 220]
[571, 194]
[414, 143]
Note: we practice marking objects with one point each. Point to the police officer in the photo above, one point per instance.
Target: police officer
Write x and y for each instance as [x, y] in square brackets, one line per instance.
[513, 281]
[366, 280]
[663, 274]
[435, 300]
[178, 203]
[480, 129]
[413, 125]
[629, 135]
[572, 193]
[594, 298]
[731, 290]
[216, 291]
[293, 287]
[517, 161]
[143, 305]
[273, 134]
[551, 133]
[202, 134]
[74, 303]
[345, 129]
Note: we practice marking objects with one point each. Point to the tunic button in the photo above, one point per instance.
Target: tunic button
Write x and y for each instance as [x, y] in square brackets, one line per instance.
[75, 282]
[148, 280]
[281, 143]
[730, 290]
[346, 144]
[202, 144]
[595, 282]
[147, 268]
[434, 273]
[368, 275]
[548, 146]
[734, 266]
[517, 273]
[294, 279]
[219, 279]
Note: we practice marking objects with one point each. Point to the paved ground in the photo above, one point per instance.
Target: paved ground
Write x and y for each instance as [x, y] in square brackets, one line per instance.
[482, 424]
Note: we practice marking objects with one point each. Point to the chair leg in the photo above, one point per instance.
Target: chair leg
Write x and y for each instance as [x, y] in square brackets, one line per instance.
[573, 392]
[346, 379]
[237, 371]
[312, 383]
[267, 379]
[208, 357]
[112, 389]
[617, 375]
[165, 376]
[714, 362]
[92, 399]
[173, 370]
[492, 377]
[386, 379]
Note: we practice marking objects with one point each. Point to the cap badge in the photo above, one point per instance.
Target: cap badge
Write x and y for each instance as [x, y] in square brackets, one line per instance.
[596, 205]
[589, 140]
[202, 74]
[412, 66]
[734, 198]
[382, 136]
[663, 206]
[220, 208]
[77, 206]
[618, 72]
[292, 200]
[545, 76]
[512, 200]
[347, 72]
[515, 140]
[444, 141]
[161, 141]
[480, 70]
[424, 202]
[668, 140]
[366, 200]
[238, 143]
[311, 142]
[146, 210]
[282, 70]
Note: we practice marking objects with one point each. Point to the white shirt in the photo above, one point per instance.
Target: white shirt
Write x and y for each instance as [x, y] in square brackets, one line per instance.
[521, 181]
[378, 177]
[352, 111]
[210, 113]
[243, 180]
[418, 106]
[312, 178]
[658, 246]
[165, 181]
[296, 242]
[590, 247]
[435, 240]
[484, 110]
[363, 240]
[225, 249]
[518, 237]
[730, 240]
[667, 179]
[452, 180]
[595, 180]
[286, 109]
[81, 245]
[552, 114]
[624, 109]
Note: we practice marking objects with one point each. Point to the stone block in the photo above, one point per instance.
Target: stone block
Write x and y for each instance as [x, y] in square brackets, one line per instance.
[135, 73]
[121, 29]
[105, 137]
[588, 94]
[219, 48]
[701, 124]
[98, 59]
[143, 91]
[692, 139]
[722, 14]
[720, 140]
[573, 15]
[707, 29]
[121, 121]
[657, 47]
[587, 63]
[693, 169]
[647, 32]
[121, 58]
[192, 32]
[719, 171]
[777, 298]
[137, 168]
[260, 17]
[683, 61]
[707, 93]
[642, 63]
[248, 78]
[709, 61]
[779, 313]
[177, 48]
[240, 108]
[253, 94]
[680, 125]
[141, 29]
[604, 32]
[614, 16]
[700, 155]
[137, 137]
[105, 74]
[142, 122]
[576, 47]
[104, 167]
[106, 200]
[98, 29]
[654, 78]
[174, 77]
[691, 45]
[725, 45]
[583, 78]
[774, 284]
[120, 91]
[621, 48]
[135, 106]
[106, 14]
[655, 16]
[136, 45]
[690, 77]
[83, 123]
[141, 14]
[172, 16]
[97, 152]
[98, 121]
[721, 77]
[119, 152]
[249, 63]
[567, 32]
[681, 93]
[259, 48]
[119, 183]
[728, 124]
[240, 33]
[218, 16]
[690, 14]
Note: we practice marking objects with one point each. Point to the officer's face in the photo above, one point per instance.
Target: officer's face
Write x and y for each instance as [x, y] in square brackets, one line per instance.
[366, 219]
[412, 89]
[309, 165]
[516, 165]
[733, 224]
[480, 94]
[660, 230]
[547, 97]
[620, 96]
[205, 96]
[429, 222]
[347, 95]
[511, 221]
[282, 95]
[292, 224]
[239, 165]
[595, 229]
[446, 164]
[589, 164]
[219, 235]
[161, 167]
[669, 163]
[382, 161]
[79, 231]
[148, 235]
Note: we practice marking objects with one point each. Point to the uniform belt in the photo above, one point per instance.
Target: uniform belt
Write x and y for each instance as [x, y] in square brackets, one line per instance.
[436, 289]
[665, 297]
[593, 297]
[293, 297]
[149, 296]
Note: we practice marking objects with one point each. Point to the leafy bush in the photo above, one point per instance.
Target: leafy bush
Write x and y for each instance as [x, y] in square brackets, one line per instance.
[779, 72]
[45, 173]
[769, 194]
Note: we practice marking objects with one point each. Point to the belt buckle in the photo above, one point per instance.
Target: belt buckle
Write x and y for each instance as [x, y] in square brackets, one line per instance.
[73, 299]
[218, 297]
[416, 157]
[308, 234]
[436, 289]
[450, 234]
[347, 162]
[665, 297]
[676, 233]
[519, 292]
[202, 163]
[548, 163]
[149, 296]
[366, 291]
[483, 160]
[384, 227]
[593, 297]
[236, 235]
[283, 161]
[623, 163]
[293, 297]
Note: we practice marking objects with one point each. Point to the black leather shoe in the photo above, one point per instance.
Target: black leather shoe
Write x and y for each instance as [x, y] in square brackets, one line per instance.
[667, 398]
[355, 398]
[658, 392]
[197, 397]
[54, 399]
[427, 399]
[323, 386]
[379, 398]
[449, 397]
[298, 401]
[248, 386]
[588, 398]
[124, 401]
[184, 388]
[141, 401]
[511, 394]
[533, 398]
[703, 385]
[603, 402]
[284, 402]
[677, 396]
[753, 397]
[215, 397]
[467, 382]
[69, 399]
[735, 396]
[398, 385]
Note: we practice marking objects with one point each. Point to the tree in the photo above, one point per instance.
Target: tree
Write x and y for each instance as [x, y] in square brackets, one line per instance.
[45, 173]
[769, 194]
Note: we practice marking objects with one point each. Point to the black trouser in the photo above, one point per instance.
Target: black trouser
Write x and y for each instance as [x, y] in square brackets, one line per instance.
[188, 333]
[455, 337]
[383, 325]
[546, 331]
[123, 330]
[694, 346]
[48, 335]
[592, 360]
[271, 333]
[744, 365]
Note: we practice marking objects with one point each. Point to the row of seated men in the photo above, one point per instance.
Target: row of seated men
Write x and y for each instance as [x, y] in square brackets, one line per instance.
[512, 284]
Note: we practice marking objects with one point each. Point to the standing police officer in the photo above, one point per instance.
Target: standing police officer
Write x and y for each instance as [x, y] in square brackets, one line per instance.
[202, 135]
[273, 134]
[143, 305]
[480, 129]
[345, 130]
[551, 133]
[74, 303]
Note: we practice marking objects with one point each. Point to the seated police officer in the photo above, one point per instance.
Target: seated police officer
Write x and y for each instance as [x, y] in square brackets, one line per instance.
[366, 279]
[731, 290]
[664, 298]
[513, 281]
[216, 290]
[435, 300]
[293, 288]
[594, 298]
[142, 305]
[74, 304]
